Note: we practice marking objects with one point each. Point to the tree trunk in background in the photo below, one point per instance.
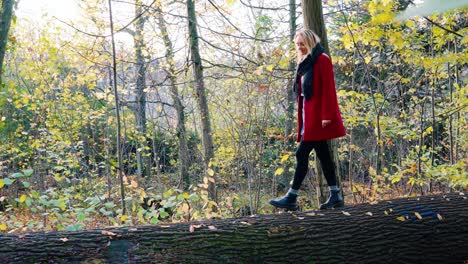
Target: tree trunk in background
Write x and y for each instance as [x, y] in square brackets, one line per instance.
[450, 87]
[457, 78]
[426, 230]
[313, 19]
[143, 162]
[6, 14]
[290, 117]
[208, 151]
[184, 162]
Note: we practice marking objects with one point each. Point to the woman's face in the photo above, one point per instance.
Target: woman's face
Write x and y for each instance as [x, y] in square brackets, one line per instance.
[300, 45]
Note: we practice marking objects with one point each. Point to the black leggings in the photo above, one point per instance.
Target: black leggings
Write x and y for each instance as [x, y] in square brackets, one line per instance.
[323, 154]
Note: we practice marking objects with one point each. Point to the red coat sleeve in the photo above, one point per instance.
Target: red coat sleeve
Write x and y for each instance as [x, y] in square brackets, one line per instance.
[329, 100]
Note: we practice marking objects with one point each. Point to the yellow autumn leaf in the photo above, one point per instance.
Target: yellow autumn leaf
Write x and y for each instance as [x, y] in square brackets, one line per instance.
[429, 130]
[186, 195]
[410, 23]
[279, 171]
[1, 183]
[382, 18]
[401, 218]
[123, 218]
[210, 172]
[58, 178]
[231, 2]
[270, 68]
[284, 158]
[23, 198]
[418, 215]
[367, 59]
[3, 227]
[348, 42]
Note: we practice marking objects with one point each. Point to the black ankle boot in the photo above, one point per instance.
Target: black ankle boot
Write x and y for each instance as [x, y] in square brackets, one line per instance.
[288, 201]
[334, 200]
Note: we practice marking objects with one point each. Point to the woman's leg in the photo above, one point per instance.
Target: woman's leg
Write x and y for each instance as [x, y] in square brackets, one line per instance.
[326, 160]
[328, 167]
[302, 157]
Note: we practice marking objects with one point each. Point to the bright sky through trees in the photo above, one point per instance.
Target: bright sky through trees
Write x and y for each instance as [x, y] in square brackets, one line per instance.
[33, 9]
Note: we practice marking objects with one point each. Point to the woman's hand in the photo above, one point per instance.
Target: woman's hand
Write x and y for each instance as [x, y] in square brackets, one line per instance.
[326, 123]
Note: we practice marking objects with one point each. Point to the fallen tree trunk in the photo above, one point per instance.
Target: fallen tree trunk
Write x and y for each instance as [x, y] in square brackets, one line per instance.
[432, 229]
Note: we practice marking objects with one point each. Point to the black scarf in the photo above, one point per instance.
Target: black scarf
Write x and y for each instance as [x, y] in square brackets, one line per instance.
[306, 69]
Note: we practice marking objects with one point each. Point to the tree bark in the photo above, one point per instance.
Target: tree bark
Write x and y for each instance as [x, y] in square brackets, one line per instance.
[290, 117]
[313, 19]
[449, 72]
[184, 162]
[430, 229]
[5, 22]
[143, 162]
[207, 139]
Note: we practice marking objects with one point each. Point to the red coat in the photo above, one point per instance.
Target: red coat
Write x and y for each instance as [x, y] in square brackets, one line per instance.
[323, 105]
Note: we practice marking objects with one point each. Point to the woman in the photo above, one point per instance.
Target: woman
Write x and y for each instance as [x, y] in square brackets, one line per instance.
[318, 117]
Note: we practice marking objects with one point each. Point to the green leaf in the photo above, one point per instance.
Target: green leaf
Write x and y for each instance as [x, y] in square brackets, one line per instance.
[81, 216]
[194, 197]
[26, 184]
[109, 205]
[16, 175]
[28, 172]
[28, 202]
[7, 181]
[163, 213]
[168, 193]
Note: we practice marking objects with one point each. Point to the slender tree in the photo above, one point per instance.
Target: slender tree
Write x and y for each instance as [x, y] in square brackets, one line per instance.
[184, 161]
[117, 111]
[5, 22]
[208, 151]
[143, 164]
[289, 92]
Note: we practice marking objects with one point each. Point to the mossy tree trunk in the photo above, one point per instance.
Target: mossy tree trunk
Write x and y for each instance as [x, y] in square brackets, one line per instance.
[416, 230]
[6, 14]
[200, 91]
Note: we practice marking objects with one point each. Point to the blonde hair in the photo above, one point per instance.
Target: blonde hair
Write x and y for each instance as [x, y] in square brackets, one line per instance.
[311, 39]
